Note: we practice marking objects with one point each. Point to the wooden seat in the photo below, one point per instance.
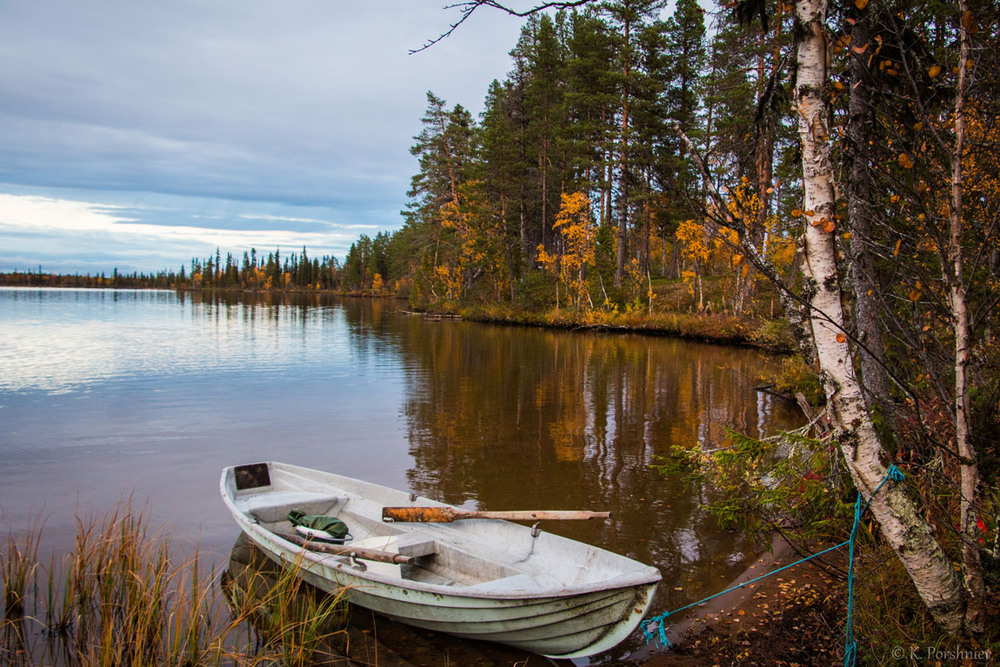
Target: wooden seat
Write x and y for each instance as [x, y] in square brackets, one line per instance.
[415, 544]
[274, 507]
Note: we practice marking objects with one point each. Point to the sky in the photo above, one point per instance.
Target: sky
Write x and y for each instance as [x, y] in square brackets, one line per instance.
[138, 134]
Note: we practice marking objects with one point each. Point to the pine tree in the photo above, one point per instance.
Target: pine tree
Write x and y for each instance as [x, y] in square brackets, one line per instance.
[686, 58]
[501, 167]
[627, 19]
[445, 149]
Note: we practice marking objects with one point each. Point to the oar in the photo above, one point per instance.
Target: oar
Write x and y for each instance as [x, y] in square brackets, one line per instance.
[348, 550]
[448, 514]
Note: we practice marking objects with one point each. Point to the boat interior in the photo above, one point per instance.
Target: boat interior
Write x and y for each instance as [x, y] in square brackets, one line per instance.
[444, 555]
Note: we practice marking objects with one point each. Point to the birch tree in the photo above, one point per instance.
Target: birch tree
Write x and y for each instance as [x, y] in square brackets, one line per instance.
[904, 529]
[958, 291]
[921, 131]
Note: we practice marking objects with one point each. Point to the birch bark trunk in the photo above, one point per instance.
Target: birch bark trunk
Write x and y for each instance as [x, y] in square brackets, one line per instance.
[972, 568]
[900, 523]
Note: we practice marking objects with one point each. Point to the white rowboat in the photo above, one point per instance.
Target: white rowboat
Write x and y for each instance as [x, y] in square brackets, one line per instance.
[479, 578]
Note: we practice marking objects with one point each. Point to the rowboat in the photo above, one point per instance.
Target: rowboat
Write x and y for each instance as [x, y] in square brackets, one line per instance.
[484, 579]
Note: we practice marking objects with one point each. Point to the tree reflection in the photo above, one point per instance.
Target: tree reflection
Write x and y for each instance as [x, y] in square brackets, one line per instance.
[516, 418]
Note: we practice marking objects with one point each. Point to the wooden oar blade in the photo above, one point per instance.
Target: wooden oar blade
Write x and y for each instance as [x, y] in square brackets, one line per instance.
[418, 514]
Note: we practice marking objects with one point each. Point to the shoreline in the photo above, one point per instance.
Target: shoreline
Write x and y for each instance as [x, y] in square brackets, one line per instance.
[709, 327]
[762, 623]
[716, 328]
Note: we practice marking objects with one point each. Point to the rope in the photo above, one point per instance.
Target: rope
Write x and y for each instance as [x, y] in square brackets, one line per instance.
[851, 646]
[658, 620]
[655, 629]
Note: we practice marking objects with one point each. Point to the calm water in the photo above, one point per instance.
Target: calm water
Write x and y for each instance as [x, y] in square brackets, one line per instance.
[106, 395]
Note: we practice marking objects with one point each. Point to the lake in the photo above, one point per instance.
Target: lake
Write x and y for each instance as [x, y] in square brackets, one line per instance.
[109, 395]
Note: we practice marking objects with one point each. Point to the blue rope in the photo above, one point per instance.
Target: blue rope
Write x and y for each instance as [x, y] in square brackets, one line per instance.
[851, 646]
[658, 620]
[659, 628]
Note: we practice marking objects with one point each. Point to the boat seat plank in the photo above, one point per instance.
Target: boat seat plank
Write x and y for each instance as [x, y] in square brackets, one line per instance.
[415, 544]
[274, 507]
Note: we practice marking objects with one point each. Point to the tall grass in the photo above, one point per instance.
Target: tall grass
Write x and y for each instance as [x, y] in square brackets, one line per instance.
[121, 598]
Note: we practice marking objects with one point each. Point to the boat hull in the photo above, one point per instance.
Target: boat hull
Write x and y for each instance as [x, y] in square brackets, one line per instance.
[566, 622]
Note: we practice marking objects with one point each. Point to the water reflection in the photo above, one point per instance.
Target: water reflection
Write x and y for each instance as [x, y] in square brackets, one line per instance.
[98, 389]
[59, 341]
[513, 418]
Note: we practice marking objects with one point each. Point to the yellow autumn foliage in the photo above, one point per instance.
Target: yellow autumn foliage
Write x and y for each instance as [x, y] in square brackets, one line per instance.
[579, 247]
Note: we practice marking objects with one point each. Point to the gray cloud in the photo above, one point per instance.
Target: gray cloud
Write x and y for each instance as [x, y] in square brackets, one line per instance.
[306, 103]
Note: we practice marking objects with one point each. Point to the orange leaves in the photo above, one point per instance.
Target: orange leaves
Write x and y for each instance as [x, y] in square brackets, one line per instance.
[450, 278]
[450, 215]
[694, 240]
[824, 223]
[934, 71]
[573, 220]
[904, 161]
[927, 244]
[469, 238]
[689, 279]
[579, 233]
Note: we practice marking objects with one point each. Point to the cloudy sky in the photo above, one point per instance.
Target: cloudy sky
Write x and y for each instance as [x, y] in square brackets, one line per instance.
[141, 133]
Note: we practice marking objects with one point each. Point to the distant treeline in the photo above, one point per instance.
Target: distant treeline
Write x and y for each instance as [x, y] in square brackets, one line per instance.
[254, 271]
[160, 280]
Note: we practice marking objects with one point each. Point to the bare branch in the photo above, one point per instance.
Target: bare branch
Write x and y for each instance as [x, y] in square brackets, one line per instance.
[467, 9]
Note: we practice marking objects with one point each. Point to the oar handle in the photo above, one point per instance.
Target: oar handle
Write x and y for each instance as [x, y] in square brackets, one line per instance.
[347, 550]
[537, 515]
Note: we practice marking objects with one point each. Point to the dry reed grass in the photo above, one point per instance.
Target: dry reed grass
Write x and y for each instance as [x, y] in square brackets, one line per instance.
[122, 598]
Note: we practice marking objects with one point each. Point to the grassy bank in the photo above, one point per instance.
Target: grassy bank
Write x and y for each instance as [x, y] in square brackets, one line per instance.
[123, 596]
[672, 311]
[720, 328]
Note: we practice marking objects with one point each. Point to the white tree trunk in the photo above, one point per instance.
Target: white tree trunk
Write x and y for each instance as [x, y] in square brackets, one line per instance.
[971, 565]
[904, 529]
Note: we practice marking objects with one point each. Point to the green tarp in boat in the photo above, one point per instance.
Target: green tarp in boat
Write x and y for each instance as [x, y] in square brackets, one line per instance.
[336, 528]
